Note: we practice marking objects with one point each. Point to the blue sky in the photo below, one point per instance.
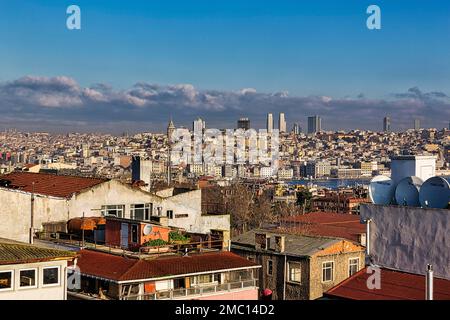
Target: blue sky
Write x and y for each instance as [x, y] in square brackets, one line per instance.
[308, 48]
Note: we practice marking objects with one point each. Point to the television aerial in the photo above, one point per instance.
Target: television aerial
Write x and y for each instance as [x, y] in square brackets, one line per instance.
[407, 191]
[435, 193]
[147, 229]
[381, 190]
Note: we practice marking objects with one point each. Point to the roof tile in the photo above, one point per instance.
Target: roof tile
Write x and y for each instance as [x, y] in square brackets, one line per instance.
[119, 268]
[395, 285]
[48, 184]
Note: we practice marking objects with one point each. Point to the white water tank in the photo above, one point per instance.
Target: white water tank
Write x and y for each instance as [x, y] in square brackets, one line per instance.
[423, 167]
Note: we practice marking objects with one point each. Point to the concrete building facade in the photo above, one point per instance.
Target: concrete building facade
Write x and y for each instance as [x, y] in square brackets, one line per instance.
[54, 201]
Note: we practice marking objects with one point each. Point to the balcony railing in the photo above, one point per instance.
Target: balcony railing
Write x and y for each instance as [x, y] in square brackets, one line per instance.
[187, 293]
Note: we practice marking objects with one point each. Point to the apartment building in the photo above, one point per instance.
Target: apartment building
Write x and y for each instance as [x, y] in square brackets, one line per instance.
[30, 272]
[219, 275]
[408, 248]
[49, 198]
[299, 267]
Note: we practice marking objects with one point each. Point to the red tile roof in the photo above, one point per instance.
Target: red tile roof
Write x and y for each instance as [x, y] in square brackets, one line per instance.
[48, 184]
[326, 224]
[395, 285]
[118, 268]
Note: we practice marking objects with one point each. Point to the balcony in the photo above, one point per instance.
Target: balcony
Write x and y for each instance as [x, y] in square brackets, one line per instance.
[198, 291]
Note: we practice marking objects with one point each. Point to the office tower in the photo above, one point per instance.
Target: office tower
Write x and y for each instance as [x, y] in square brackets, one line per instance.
[314, 124]
[387, 124]
[243, 123]
[417, 124]
[282, 123]
[269, 122]
[296, 128]
[199, 125]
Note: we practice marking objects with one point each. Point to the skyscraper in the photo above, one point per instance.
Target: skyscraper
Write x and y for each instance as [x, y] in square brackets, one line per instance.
[199, 125]
[417, 124]
[269, 123]
[314, 124]
[282, 123]
[387, 124]
[243, 123]
[296, 128]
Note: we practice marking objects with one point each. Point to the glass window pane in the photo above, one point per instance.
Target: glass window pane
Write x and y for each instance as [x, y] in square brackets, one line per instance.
[51, 276]
[5, 280]
[27, 278]
[327, 271]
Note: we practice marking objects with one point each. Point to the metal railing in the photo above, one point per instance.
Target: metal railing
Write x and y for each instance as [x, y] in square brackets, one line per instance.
[173, 248]
[185, 247]
[203, 290]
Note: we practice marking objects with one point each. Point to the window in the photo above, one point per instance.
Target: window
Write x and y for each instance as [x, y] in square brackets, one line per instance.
[353, 266]
[181, 215]
[205, 278]
[141, 211]
[134, 233]
[6, 280]
[294, 272]
[327, 271]
[170, 214]
[51, 276]
[269, 267]
[113, 210]
[28, 278]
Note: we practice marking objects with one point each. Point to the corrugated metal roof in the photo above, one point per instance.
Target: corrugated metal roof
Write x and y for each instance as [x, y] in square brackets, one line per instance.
[299, 245]
[14, 253]
[326, 224]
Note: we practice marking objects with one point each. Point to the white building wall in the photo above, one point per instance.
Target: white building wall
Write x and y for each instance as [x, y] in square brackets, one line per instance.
[16, 208]
[40, 292]
[423, 167]
[409, 238]
[110, 193]
[16, 213]
[190, 203]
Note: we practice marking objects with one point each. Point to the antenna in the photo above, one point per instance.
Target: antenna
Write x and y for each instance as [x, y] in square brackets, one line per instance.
[147, 229]
[407, 191]
[435, 193]
[381, 190]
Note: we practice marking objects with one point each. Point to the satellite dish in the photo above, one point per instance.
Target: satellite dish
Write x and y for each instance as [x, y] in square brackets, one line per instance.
[381, 190]
[435, 193]
[147, 229]
[407, 191]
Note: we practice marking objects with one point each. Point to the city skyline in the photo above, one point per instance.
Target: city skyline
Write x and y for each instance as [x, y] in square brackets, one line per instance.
[131, 68]
[216, 150]
[61, 104]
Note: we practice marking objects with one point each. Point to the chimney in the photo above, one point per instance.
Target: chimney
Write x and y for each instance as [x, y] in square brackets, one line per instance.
[280, 243]
[429, 282]
[262, 241]
[362, 239]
